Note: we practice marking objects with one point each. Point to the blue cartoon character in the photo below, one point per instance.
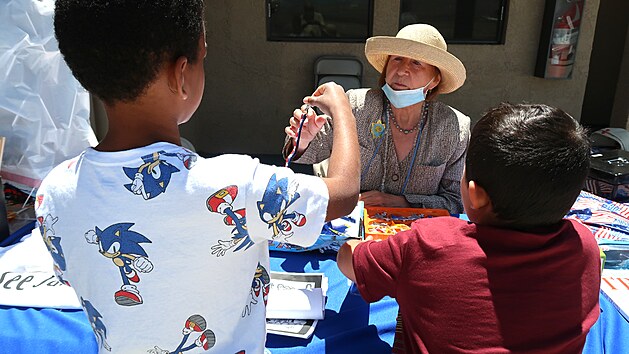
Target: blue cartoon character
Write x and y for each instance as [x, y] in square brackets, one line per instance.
[122, 246]
[97, 325]
[222, 202]
[259, 287]
[194, 323]
[278, 196]
[53, 242]
[151, 178]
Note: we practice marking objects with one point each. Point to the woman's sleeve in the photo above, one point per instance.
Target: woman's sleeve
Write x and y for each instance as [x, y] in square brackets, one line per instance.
[449, 195]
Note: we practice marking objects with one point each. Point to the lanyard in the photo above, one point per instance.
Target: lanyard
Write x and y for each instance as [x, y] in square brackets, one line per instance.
[410, 168]
[290, 156]
[424, 118]
[381, 138]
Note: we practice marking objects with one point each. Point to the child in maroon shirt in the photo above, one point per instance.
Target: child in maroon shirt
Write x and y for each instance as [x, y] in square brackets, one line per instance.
[517, 277]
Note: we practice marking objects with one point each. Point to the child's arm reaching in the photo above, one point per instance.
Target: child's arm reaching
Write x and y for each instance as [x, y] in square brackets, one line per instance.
[343, 179]
[344, 259]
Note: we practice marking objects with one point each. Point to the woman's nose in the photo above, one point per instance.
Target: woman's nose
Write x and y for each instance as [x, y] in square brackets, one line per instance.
[403, 69]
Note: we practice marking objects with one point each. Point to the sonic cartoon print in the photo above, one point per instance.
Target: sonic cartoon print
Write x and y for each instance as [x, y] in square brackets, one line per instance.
[278, 196]
[221, 202]
[152, 177]
[122, 246]
[97, 325]
[53, 243]
[260, 286]
[197, 324]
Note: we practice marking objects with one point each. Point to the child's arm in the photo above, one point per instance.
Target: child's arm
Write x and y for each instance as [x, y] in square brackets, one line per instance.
[343, 180]
[344, 259]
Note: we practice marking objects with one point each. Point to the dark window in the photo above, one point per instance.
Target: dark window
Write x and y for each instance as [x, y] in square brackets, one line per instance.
[319, 20]
[459, 21]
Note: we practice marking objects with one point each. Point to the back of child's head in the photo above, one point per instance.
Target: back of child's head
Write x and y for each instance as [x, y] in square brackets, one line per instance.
[531, 159]
[116, 47]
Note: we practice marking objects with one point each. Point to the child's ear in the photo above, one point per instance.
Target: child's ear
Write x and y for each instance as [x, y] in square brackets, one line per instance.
[176, 79]
[478, 196]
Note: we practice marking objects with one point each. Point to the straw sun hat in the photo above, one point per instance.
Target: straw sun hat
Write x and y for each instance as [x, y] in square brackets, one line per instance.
[421, 42]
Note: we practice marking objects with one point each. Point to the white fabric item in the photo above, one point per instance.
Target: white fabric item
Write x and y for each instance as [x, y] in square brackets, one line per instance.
[149, 243]
[27, 278]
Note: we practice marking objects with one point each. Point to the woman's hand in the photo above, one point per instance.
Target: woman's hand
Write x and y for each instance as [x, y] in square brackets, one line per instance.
[376, 198]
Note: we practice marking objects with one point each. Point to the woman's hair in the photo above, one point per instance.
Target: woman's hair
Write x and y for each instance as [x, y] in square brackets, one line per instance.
[531, 159]
[432, 94]
[116, 47]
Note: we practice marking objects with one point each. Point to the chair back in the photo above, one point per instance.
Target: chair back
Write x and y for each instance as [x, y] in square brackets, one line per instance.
[346, 71]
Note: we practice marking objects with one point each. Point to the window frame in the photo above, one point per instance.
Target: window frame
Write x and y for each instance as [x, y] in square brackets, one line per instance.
[500, 33]
[287, 38]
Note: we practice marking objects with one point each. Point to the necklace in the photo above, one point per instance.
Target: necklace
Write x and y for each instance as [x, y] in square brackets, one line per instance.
[408, 131]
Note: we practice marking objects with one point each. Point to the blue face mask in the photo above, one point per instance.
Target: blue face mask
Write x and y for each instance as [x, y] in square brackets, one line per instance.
[405, 98]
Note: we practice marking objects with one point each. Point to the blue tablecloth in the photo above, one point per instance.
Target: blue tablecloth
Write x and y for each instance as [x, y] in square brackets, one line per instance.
[610, 334]
[350, 325]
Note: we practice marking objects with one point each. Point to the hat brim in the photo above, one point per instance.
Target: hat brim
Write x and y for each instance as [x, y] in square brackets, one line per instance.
[379, 48]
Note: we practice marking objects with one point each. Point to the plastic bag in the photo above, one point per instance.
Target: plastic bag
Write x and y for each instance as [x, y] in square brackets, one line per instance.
[44, 111]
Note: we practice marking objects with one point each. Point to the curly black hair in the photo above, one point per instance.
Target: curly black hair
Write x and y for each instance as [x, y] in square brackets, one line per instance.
[531, 159]
[116, 47]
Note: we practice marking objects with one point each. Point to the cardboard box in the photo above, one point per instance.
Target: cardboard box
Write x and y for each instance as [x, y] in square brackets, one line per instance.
[609, 175]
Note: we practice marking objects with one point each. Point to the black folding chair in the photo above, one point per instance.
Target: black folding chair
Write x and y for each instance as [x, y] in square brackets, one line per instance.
[346, 71]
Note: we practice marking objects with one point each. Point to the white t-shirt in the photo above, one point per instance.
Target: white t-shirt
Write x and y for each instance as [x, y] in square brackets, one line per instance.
[156, 244]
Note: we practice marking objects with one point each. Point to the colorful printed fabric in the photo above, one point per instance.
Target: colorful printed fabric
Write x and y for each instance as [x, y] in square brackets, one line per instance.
[608, 220]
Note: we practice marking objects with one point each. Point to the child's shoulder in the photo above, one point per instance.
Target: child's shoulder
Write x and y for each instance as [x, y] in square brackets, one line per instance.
[63, 168]
[441, 227]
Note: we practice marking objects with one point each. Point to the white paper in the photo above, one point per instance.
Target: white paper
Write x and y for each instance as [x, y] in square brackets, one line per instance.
[281, 281]
[300, 304]
[291, 328]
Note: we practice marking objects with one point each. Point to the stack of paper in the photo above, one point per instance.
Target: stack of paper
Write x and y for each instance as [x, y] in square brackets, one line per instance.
[300, 304]
[296, 302]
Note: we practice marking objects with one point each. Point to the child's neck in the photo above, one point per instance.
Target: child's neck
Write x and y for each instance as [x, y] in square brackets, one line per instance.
[133, 125]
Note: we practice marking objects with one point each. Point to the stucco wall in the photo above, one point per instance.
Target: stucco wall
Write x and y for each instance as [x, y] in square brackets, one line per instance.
[253, 85]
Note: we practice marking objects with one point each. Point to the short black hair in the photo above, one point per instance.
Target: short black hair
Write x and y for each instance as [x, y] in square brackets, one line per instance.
[116, 47]
[531, 159]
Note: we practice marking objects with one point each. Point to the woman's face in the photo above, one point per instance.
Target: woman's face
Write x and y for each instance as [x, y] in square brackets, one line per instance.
[407, 74]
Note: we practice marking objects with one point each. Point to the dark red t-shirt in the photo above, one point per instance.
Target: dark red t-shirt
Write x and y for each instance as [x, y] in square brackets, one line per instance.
[463, 287]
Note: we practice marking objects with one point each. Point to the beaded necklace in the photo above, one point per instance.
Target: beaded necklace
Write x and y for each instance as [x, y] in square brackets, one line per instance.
[406, 131]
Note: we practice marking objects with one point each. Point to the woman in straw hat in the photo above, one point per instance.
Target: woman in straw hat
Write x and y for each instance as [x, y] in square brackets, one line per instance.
[412, 146]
